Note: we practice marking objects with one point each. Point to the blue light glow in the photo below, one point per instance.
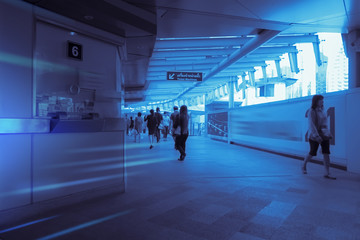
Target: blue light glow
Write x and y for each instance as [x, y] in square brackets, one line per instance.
[15, 59]
[27, 224]
[27, 62]
[131, 164]
[68, 184]
[86, 162]
[9, 125]
[97, 149]
[84, 225]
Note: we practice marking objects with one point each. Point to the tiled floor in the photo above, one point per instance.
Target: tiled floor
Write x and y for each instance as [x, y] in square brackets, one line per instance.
[219, 192]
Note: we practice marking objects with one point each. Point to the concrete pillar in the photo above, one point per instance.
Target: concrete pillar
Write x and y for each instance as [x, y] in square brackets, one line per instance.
[231, 87]
[231, 92]
[353, 53]
[278, 68]
[293, 62]
[206, 113]
[244, 88]
[263, 68]
[352, 129]
[316, 47]
[252, 78]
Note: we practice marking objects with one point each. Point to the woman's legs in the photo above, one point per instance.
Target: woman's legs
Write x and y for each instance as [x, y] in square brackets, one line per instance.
[327, 166]
[314, 145]
[178, 145]
[183, 143]
[326, 158]
[306, 160]
[151, 140]
[138, 134]
[166, 131]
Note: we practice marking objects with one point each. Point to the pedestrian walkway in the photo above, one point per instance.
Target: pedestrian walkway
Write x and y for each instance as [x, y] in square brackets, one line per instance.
[220, 191]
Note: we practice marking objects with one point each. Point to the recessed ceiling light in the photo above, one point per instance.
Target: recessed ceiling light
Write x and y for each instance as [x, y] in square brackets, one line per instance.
[89, 17]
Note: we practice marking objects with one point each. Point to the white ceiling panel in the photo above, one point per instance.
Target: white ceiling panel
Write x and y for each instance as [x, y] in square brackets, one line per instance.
[203, 35]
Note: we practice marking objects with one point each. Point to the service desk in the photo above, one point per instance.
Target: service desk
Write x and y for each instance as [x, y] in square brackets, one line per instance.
[63, 158]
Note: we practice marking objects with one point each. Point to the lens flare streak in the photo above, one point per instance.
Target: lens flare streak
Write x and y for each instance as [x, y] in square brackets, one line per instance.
[86, 162]
[68, 184]
[27, 224]
[128, 164]
[84, 225]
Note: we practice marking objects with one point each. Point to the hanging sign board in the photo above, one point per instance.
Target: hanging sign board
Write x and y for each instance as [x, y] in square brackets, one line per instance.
[184, 76]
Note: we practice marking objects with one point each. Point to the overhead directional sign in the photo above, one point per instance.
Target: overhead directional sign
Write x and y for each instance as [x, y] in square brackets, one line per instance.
[184, 76]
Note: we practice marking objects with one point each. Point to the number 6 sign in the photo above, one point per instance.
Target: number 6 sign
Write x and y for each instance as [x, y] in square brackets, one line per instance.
[74, 50]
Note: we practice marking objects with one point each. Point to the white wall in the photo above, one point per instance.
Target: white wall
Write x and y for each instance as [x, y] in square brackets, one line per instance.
[281, 126]
[352, 130]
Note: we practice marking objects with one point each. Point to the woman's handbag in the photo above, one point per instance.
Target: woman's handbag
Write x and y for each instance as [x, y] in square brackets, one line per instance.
[324, 133]
[177, 131]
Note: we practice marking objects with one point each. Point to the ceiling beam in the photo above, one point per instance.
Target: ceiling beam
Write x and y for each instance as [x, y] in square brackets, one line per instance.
[228, 41]
[221, 52]
[247, 59]
[196, 67]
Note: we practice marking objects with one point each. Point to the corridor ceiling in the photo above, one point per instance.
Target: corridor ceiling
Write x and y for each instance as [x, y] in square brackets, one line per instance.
[220, 39]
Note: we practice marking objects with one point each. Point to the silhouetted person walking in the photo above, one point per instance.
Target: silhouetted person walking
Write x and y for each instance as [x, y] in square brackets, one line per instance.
[165, 123]
[131, 127]
[182, 121]
[318, 133]
[152, 125]
[159, 119]
[172, 120]
[139, 122]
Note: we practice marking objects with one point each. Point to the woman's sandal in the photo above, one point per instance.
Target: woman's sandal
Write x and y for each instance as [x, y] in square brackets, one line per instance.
[329, 177]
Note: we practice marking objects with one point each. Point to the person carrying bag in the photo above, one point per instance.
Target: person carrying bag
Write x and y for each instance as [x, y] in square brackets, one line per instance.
[319, 134]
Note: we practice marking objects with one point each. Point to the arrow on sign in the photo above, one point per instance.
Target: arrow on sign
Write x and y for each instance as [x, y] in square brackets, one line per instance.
[171, 76]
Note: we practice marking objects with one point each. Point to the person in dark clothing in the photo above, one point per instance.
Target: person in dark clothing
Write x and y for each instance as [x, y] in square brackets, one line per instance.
[131, 127]
[159, 119]
[172, 120]
[182, 121]
[151, 125]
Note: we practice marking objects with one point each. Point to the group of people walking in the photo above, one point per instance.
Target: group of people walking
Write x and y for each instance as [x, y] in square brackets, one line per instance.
[177, 124]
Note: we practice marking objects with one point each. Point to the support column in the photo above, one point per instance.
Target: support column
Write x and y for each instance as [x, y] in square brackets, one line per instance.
[352, 129]
[230, 86]
[278, 68]
[252, 78]
[316, 47]
[293, 62]
[353, 53]
[244, 86]
[206, 96]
